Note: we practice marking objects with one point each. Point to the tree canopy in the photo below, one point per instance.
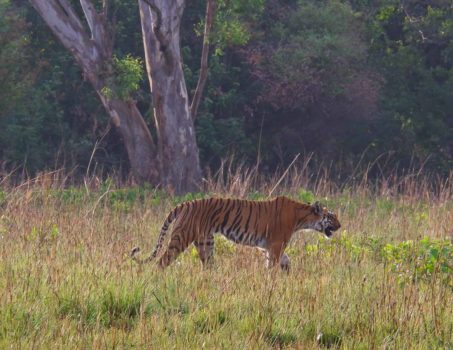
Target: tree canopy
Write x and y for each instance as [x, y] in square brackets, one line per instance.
[344, 80]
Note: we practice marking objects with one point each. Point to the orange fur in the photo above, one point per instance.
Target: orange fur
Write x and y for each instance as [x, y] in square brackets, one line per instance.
[266, 224]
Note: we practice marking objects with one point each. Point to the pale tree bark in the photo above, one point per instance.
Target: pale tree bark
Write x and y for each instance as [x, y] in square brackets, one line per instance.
[174, 163]
[93, 52]
[177, 145]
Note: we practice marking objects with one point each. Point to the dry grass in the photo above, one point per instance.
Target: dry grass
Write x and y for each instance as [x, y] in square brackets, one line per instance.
[66, 280]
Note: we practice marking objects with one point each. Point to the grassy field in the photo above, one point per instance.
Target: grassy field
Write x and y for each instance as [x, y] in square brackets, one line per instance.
[385, 280]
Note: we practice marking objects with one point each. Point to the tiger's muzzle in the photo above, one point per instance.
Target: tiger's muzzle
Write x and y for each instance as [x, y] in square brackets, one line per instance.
[328, 231]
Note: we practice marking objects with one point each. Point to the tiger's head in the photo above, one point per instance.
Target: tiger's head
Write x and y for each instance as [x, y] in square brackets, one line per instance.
[320, 219]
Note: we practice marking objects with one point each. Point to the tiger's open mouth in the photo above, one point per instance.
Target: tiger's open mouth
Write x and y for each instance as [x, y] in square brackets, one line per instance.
[328, 232]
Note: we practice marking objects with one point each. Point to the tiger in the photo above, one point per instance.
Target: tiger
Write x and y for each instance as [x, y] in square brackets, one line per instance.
[267, 225]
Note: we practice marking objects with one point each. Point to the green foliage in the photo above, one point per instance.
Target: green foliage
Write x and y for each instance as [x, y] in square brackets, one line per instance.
[217, 137]
[221, 124]
[284, 75]
[4, 226]
[319, 47]
[354, 249]
[113, 308]
[305, 196]
[81, 290]
[20, 130]
[25, 321]
[415, 261]
[412, 261]
[187, 197]
[256, 196]
[232, 22]
[207, 323]
[128, 73]
[412, 46]
[48, 233]
[14, 55]
[21, 135]
[70, 195]
[119, 199]
[2, 197]
[53, 121]
[281, 337]
[126, 197]
[223, 246]
[385, 205]
[309, 63]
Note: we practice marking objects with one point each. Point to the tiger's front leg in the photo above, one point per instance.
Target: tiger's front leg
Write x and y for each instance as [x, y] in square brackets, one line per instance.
[205, 249]
[284, 261]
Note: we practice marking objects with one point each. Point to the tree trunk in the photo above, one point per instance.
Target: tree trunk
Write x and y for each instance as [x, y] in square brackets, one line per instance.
[177, 145]
[137, 139]
[93, 53]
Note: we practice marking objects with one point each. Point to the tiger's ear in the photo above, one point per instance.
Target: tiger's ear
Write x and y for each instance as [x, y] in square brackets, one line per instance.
[317, 208]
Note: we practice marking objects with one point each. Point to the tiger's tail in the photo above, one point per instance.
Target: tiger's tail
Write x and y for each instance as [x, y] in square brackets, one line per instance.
[163, 232]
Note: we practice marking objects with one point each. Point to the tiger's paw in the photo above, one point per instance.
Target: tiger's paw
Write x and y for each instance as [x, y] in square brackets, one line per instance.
[134, 251]
[285, 263]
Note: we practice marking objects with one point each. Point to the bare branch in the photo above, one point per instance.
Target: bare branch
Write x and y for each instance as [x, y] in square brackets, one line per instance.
[98, 26]
[64, 23]
[209, 19]
[66, 6]
[90, 14]
[416, 21]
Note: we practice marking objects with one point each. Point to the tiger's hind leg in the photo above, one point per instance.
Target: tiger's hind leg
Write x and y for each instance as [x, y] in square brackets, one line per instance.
[179, 241]
[205, 249]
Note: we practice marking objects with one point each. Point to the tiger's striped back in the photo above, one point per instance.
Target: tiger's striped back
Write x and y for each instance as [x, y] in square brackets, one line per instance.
[266, 224]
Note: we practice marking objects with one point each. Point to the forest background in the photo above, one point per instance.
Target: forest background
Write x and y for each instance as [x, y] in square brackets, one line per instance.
[343, 82]
[361, 89]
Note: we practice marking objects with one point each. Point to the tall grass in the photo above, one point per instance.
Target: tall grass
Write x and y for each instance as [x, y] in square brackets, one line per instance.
[384, 281]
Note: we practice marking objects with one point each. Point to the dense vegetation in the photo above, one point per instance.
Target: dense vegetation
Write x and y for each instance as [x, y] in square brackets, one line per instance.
[384, 281]
[362, 89]
[346, 80]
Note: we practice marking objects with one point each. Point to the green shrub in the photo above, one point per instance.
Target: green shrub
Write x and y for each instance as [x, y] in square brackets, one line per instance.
[420, 260]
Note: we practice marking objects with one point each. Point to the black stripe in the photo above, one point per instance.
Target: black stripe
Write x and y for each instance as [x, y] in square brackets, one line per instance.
[208, 215]
[192, 216]
[250, 215]
[228, 228]
[222, 225]
[215, 216]
[237, 220]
